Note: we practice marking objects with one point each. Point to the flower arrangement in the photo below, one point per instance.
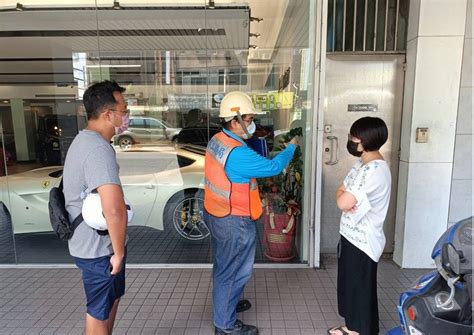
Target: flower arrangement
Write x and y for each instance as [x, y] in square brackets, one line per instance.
[285, 190]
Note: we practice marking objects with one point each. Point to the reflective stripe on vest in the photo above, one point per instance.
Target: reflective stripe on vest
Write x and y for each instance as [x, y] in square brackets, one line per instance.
[215, 189]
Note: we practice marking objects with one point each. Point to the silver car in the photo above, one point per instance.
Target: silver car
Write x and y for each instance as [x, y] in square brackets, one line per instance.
[146, 130]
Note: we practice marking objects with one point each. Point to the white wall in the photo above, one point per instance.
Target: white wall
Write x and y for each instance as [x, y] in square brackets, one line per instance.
[434, 57]
[460, 205]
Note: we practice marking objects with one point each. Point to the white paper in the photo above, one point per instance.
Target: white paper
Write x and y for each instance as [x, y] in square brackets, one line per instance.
[281, 132]
[363, 207]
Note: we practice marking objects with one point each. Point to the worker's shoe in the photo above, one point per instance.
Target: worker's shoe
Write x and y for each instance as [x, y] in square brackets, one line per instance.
[243, 305]
[239, 329]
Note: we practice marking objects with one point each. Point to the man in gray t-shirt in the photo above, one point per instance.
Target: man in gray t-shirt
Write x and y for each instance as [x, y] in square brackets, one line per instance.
[91, 166]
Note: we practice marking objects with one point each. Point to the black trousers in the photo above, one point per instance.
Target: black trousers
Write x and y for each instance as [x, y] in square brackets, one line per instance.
[357, 289]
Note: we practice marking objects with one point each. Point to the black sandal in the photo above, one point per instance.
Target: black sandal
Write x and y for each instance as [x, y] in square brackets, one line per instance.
[243, 305]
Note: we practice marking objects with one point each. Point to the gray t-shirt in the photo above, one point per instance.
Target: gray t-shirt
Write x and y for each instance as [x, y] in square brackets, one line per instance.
[90, 163]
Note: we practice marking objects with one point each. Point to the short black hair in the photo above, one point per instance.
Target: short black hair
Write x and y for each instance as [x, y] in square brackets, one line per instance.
[99, 96]
[372, 132]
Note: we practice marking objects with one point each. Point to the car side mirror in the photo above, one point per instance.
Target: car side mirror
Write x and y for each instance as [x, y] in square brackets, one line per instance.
[450, 259]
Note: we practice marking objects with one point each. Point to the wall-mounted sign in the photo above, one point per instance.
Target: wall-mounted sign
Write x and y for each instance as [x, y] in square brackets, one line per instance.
[362, 108]
[273, 100]
[187, 101]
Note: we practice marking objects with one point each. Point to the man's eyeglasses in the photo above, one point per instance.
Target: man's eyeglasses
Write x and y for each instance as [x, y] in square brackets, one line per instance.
[124, 112]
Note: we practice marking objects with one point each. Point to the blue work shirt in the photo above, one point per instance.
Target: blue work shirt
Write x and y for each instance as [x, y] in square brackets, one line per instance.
[244, 163]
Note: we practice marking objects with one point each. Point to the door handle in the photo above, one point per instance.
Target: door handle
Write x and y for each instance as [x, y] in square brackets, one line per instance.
[334, 148]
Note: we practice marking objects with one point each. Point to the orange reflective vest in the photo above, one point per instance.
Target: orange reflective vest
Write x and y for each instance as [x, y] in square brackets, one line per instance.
[221, 196]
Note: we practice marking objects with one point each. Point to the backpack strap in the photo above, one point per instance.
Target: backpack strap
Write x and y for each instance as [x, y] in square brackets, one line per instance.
[77, 221]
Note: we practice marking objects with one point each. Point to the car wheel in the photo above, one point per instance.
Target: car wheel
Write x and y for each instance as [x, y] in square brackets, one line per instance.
[125, 142]
[184, 214]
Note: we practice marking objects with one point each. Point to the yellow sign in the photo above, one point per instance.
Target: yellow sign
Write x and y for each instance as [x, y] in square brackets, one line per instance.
[273, 100]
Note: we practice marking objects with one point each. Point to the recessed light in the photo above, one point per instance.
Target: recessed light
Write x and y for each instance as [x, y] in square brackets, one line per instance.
[68, 100]
[5, 101]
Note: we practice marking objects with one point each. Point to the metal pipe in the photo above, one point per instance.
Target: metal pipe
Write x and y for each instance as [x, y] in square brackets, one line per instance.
[396, 25]
[387, 2]
[355, 27]
[334, 26]
[365, 25]
[344, 28]
[375, 23]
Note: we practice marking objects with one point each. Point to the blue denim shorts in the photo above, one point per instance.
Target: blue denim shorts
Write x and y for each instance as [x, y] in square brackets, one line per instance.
[101, 287]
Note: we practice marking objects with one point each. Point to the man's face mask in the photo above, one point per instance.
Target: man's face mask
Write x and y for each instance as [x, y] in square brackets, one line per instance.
[124, 125]
[251, 128]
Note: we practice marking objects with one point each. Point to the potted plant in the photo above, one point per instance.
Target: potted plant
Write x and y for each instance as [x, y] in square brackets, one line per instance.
[281, 198]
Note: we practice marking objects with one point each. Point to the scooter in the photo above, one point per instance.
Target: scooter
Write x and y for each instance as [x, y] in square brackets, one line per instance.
[440, 302]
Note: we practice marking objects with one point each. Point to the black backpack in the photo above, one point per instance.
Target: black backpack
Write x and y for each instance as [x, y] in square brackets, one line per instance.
[58, 215]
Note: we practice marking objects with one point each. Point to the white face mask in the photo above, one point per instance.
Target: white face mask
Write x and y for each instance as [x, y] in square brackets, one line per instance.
[252, 128]
[249, 131]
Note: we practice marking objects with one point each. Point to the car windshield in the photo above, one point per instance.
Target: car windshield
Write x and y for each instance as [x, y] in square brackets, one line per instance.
[62, 126]
[167, 125]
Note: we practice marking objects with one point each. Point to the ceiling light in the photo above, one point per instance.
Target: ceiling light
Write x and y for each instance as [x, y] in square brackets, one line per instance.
[19, 7]
[254, 35]
[258, 19]
[212, 4]
[68, 100]
[116, 5]
[5, 101]
[113, 65]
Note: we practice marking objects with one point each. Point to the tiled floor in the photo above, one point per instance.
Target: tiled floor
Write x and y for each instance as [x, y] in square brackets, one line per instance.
[178, 301]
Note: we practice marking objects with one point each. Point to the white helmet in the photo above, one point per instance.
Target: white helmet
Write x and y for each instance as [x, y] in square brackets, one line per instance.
[235, 104]
[93, 215]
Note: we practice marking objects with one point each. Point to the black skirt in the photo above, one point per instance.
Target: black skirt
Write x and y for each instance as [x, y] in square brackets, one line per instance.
[357, 289]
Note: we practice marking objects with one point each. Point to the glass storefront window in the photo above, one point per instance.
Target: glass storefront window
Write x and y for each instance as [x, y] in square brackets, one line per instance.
[177, 63]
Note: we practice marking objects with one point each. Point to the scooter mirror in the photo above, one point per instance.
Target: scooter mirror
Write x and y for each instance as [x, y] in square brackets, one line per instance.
[450, 259]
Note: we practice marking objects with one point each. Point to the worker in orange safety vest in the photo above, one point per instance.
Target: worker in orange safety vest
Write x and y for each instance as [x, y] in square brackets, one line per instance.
[232, 205]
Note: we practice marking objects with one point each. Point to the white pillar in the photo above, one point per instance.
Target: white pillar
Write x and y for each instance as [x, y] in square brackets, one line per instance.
[434, 56]
[24, 130]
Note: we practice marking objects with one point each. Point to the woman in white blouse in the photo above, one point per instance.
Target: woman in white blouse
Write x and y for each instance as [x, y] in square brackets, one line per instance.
[363, 198]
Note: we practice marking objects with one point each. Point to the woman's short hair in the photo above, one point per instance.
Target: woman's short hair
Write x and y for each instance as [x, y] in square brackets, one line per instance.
[372, 132]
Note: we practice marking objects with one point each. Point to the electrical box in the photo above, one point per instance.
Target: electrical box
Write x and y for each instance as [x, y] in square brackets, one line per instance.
[421, 135]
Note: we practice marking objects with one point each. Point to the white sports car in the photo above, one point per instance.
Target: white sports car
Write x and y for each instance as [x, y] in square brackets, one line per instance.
[164, 185]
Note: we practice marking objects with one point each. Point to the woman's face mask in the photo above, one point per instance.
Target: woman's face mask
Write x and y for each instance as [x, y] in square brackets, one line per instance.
[352, 147]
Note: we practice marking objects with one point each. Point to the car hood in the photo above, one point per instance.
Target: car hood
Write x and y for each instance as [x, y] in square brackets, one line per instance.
[36, 173]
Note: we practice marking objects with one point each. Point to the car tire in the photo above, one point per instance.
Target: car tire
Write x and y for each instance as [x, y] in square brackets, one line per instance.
[125, 142]
[184, 215]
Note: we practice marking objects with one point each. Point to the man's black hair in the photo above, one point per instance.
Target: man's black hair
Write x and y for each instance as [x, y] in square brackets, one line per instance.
[99, 96]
